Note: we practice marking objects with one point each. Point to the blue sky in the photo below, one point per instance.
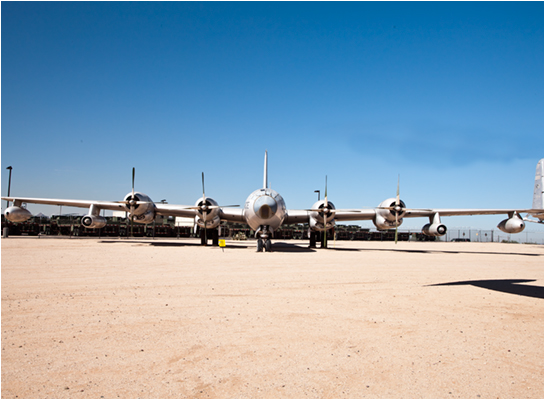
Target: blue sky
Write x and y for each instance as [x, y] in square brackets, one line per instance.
[448, 95]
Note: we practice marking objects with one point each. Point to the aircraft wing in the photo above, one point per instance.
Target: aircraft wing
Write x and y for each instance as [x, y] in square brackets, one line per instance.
[355, 215]
[186, 211]
[232, 215]
[107, 205]
[302, 216]
[175, 210]
[446, 212]
[225, 214]
[297, 217]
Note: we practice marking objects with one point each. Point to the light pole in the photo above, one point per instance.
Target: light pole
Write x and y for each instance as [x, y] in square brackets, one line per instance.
[9, 183]
[316, 191]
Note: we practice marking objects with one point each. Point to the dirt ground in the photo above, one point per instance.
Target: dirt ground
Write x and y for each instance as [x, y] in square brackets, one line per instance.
[94, 318]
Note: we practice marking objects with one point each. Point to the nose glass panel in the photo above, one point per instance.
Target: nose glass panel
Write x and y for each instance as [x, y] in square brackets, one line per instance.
[265, 207]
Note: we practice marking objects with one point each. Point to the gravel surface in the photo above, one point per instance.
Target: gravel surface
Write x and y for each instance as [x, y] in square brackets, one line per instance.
[167, 318]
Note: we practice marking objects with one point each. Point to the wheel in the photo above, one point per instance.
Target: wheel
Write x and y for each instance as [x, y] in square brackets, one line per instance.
[268, 245]
[259, 245]
[215, 237]
[312, 240]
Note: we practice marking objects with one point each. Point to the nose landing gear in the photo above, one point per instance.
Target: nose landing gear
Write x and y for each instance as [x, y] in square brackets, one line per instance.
[263, 241]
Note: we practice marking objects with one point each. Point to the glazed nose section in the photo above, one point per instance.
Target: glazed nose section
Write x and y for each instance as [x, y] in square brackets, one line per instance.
[265, 207]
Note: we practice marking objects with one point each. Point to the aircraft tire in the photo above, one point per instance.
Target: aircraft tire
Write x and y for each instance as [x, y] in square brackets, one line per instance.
[268, 245]
[259, 245]
[312, 240]
[215, 237]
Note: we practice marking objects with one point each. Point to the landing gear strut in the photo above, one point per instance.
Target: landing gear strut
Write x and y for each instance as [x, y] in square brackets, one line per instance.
[323, 243]
[207, 234]
[263, 241]
[312, 238]
[315, 237]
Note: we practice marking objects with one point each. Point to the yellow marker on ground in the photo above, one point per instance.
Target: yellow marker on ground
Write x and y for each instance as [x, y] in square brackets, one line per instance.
[221, 243]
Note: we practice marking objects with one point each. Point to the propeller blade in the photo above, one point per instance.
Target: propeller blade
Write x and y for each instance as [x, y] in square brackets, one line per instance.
[209, 207]
[326, 190]
[130, 202]
[205, 233]
[203, 196]
[397, 205]
[396, 228]
[326, 204]
[405, 209]
[397, 194]
[333, 210]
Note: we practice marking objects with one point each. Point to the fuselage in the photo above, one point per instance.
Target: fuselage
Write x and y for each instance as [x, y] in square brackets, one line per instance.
[264, 207]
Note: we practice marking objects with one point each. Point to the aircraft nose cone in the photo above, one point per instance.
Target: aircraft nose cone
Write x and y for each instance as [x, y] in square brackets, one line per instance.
[265, 207]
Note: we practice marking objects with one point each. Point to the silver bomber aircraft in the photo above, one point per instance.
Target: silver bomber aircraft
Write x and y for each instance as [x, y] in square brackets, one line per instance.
[265, 211]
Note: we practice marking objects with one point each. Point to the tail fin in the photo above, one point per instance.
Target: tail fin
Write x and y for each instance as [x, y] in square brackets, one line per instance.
[266, 176]
[538, 187]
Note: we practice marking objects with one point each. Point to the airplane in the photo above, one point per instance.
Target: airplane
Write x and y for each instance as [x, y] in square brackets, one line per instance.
[265, 211]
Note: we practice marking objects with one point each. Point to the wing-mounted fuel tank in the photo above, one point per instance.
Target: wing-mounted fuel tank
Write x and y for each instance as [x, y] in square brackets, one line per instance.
[140, 207]
[325, 218]
[435, 227]
[93, 221]
[513, 224]
[207, 210]
[17, 213]
[385, 214]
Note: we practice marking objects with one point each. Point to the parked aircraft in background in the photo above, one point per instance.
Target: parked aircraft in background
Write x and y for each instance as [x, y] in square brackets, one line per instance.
[265, 211]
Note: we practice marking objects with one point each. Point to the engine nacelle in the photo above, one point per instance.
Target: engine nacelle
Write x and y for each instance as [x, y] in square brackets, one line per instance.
[434, 229]
[316, 220]
[211, 213]
[318, 224]
[319, 216]
[210, 223]
[512, 225]
[146, 204]
[93, 221]
[17, 214]
[390, 215]
[146, 218]
[384, 224]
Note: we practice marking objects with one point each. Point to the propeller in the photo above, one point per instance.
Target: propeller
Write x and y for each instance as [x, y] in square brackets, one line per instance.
[325, 210]
[132, 203]
[397, 207]
[204, 208]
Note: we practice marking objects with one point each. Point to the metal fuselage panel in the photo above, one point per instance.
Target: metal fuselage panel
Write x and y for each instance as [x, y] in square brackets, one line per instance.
[264, 207]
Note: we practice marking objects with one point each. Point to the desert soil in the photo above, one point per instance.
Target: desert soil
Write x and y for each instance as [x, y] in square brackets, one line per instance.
[167, 318]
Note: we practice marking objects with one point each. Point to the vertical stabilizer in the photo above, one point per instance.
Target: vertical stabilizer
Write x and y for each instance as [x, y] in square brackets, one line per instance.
[538, 186]
[265, 173]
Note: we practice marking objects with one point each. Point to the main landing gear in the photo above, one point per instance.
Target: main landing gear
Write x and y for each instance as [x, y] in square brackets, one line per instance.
[207, 234]
[263, 240]
[317, 237]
